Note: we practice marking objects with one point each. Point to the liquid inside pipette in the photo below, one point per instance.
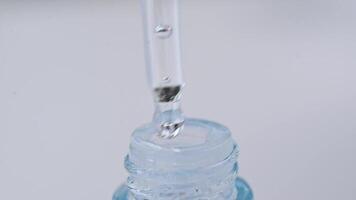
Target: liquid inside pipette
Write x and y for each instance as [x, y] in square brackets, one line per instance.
[168, 115]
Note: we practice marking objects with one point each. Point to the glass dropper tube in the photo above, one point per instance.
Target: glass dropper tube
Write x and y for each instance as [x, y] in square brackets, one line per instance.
[163, 62]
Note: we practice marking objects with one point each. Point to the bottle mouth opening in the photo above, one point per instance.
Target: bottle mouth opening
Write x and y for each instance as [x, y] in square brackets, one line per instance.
[200, 143]
[197, 135]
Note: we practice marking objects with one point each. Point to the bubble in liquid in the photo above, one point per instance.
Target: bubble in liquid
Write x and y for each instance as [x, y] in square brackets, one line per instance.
[163, 31]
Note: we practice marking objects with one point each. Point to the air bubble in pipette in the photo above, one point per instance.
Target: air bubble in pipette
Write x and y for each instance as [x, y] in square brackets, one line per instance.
[163, 31]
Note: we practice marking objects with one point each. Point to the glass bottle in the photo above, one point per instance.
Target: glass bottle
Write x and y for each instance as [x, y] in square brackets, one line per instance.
[175, 157]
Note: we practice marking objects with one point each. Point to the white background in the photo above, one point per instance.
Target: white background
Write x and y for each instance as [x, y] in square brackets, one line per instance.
[279, 74]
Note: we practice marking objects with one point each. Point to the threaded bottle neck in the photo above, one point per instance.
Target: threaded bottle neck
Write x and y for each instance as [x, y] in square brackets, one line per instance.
[200, 163]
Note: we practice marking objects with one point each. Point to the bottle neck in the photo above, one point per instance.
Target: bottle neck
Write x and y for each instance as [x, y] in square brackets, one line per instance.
[200, 163]
[208, 182]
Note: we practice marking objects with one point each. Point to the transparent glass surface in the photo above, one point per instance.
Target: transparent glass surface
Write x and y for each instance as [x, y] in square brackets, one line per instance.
[244, 192]
[162, 42]
[199, 163]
